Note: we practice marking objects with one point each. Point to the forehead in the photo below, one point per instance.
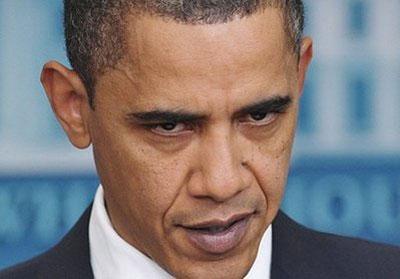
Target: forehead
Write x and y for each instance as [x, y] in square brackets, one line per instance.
[170, 64]
[169, 45]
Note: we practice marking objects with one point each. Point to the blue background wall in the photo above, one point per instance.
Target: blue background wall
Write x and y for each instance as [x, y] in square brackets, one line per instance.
[345, 175]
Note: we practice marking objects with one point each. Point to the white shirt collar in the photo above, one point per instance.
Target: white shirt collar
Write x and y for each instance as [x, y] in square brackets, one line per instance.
[113, 257]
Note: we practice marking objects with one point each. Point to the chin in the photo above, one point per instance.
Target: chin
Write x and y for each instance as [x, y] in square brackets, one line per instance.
[231, 268]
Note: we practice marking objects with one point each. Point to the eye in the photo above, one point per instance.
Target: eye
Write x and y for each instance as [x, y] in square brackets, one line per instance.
[259, 118]
[169, 128]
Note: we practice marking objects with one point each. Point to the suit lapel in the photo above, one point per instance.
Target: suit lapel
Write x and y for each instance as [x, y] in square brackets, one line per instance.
[71, 257]
[298, 252]
[285, 248]
[278, 247]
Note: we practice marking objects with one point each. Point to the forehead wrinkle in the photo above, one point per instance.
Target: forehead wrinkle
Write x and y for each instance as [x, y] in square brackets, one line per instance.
[140, 62]
[173, 102]
[159, 52]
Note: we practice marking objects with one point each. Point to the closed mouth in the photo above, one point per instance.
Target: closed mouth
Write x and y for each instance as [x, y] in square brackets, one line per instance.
[218, 236]
[216, 227]
[217, 224]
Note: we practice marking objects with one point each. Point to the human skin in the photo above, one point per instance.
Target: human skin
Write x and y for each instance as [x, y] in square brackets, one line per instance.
[162, 178]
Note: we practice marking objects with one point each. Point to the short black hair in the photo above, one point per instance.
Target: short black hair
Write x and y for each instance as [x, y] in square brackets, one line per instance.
[94, 29]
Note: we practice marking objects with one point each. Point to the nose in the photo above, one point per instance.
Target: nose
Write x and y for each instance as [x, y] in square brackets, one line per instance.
[222, 174]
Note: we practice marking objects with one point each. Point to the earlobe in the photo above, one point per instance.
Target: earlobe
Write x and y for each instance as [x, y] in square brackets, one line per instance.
[306, 54]
[67, 96]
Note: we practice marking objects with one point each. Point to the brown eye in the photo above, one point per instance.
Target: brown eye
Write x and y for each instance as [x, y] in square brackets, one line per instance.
[259, 118]
[168, 126]
[169, 129]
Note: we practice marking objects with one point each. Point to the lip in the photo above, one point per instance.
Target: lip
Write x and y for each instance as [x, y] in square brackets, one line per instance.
[217, 222]
[229, 234]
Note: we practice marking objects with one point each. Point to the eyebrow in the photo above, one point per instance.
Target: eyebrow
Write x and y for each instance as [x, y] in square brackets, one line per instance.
[274, 104]
[166, 116]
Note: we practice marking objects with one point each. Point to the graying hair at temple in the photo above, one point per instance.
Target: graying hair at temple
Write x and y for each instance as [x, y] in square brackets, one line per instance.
[94, 29]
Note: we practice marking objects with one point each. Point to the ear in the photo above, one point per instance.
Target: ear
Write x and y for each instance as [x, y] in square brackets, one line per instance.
[306, 54]
[67, 96]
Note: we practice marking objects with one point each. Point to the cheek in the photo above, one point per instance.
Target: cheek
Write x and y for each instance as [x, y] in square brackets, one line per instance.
[156, 185]
[271, 172]
[138, 176]
[270, 161]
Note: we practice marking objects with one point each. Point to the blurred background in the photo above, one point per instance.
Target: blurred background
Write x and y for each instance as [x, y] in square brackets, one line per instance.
[345, 175]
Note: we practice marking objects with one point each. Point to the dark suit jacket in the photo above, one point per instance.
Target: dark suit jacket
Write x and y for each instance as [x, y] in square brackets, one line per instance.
[297, 253]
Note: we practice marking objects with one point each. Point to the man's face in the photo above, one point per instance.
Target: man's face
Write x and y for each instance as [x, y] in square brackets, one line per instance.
[192, 135]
